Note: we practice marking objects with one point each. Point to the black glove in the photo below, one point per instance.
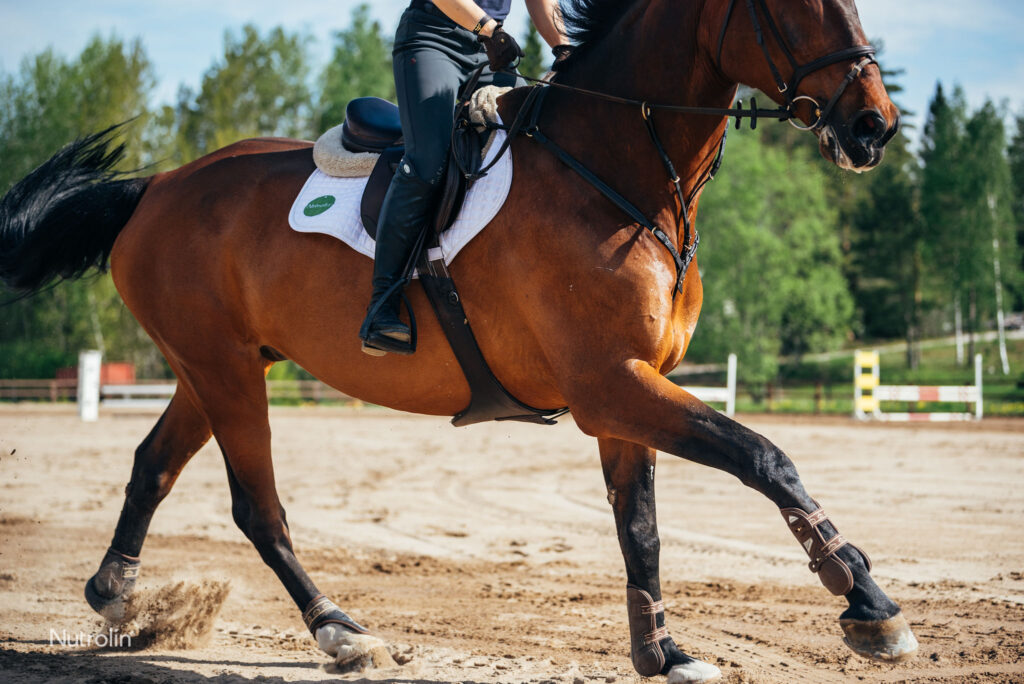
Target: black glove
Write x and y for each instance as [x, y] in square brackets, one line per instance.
[502, 49]
[561, 52]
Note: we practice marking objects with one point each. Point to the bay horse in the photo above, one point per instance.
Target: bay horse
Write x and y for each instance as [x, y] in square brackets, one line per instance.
[572, 303]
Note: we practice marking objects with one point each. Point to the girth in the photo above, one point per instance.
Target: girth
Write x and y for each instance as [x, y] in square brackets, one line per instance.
[369, 127]
[489, 400]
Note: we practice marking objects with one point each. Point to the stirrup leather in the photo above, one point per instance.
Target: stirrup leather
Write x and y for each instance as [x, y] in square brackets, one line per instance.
[832, 570]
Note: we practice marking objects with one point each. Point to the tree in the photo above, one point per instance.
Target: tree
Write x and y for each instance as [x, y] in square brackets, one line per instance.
[770, 261]
[534, 62]
[876, 275]
[258, 88]
[52, 101]
[1016, 158]
[989, 239]
[942, 209]
[888, 255]
[49, 102]
[361, 67]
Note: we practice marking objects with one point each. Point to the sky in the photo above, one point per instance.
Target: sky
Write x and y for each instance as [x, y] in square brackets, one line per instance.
[978, 44]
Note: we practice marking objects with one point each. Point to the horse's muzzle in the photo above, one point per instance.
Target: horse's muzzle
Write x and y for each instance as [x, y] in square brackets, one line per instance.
[859, 143]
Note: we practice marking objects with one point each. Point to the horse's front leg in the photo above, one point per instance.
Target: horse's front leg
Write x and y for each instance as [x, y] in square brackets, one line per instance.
[649, 409]
[629, 477]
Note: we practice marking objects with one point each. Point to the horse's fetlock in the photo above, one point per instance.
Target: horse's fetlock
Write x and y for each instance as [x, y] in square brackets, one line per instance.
[268, 534]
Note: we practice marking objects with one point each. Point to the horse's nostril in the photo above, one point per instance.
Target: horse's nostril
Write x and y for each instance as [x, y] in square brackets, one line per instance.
[868, 127]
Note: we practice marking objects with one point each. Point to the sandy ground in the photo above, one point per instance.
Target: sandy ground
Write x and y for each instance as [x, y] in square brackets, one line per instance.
[488, 554]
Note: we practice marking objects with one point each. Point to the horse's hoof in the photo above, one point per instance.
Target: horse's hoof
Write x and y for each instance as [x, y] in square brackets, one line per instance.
[888, 640]
[112, 608]
[108, 590]
[353, 652]
[693, 672]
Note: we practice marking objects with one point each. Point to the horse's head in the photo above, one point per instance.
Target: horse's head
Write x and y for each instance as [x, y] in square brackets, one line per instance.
[813, 56]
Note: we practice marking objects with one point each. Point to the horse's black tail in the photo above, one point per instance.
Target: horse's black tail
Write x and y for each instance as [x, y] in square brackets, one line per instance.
[62, 219]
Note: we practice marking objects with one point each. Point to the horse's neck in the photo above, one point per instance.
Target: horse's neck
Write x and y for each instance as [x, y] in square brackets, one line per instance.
[654, 54]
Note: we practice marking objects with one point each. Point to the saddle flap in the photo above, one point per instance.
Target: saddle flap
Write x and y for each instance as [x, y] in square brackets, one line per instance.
[465, 154]
[377, 187]
[371, 125]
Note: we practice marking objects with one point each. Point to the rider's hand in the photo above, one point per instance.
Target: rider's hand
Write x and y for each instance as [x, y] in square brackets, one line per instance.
[561, 53]
[502, 49]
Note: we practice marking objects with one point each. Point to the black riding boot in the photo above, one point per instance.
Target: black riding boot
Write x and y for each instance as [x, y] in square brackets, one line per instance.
[403, 215]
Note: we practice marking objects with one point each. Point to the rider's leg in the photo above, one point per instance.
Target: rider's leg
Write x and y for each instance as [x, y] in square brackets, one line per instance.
[427, 80]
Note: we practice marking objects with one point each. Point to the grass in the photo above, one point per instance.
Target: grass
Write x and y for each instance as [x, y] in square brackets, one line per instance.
[827, 386]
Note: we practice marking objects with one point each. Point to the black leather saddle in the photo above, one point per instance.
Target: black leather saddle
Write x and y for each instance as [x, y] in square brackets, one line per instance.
[373, 125]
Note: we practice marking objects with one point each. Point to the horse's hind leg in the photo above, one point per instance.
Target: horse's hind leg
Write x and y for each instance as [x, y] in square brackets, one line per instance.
[651, 410]
[178, 435]
[629, 478]
[235, 401]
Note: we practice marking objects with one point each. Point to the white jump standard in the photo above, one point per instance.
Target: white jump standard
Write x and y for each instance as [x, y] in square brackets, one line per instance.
[869, 393]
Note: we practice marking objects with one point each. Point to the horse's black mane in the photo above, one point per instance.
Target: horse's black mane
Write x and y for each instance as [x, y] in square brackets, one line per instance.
[588, 21]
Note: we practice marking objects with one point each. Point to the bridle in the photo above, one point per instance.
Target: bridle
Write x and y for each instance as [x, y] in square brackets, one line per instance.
[865, 52]
[527, 122]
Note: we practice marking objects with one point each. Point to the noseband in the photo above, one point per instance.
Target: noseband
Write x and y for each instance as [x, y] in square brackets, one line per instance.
[865, 52]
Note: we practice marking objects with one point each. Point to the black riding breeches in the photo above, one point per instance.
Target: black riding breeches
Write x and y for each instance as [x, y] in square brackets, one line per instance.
[433, 59]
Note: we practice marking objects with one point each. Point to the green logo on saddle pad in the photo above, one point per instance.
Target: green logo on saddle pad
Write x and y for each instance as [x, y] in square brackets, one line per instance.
[319, 205]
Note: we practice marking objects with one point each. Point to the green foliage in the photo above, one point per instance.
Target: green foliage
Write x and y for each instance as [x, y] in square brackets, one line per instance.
[887, 262]
[769, 260]
[796, 255]
[257, 89]
[361, 67]
[988, 199]
[51, 101]
[535, 60]
[967, 201]
[48, 103]
[1016, 159]
[941, 210]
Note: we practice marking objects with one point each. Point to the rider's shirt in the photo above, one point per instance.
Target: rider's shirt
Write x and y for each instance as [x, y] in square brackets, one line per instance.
[496, 8]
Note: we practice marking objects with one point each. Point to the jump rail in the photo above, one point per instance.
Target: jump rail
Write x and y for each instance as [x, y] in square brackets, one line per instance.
[92, 395]
[869, 393]
[725, 395]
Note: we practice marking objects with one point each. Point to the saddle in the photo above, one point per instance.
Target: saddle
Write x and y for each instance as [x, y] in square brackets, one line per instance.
[373, 125]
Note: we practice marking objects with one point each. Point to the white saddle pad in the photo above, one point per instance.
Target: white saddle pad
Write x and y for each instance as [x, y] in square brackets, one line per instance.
[331, 206]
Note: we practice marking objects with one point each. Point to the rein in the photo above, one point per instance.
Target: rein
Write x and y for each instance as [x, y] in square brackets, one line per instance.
[532, 107]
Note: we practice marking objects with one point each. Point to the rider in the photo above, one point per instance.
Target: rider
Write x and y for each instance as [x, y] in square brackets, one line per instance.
[439, 43]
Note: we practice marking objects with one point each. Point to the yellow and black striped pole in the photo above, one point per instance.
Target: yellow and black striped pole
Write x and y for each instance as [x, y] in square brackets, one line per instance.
[865, 380]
